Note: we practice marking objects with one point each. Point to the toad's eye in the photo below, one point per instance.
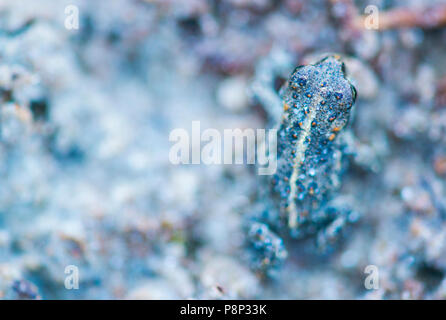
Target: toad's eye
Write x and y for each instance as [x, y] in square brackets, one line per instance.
[343, 68]
[354, 93]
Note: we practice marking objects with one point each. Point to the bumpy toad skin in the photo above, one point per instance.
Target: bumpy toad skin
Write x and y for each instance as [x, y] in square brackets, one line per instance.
[317, 100]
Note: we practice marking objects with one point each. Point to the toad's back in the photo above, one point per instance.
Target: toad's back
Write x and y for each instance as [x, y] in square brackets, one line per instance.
[317, 101]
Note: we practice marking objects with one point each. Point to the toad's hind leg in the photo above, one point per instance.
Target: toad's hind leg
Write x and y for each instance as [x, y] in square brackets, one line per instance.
[339, 217]
[267, 249]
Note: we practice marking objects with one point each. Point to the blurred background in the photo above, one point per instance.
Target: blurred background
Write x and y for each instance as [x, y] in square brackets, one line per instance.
[85, 117]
